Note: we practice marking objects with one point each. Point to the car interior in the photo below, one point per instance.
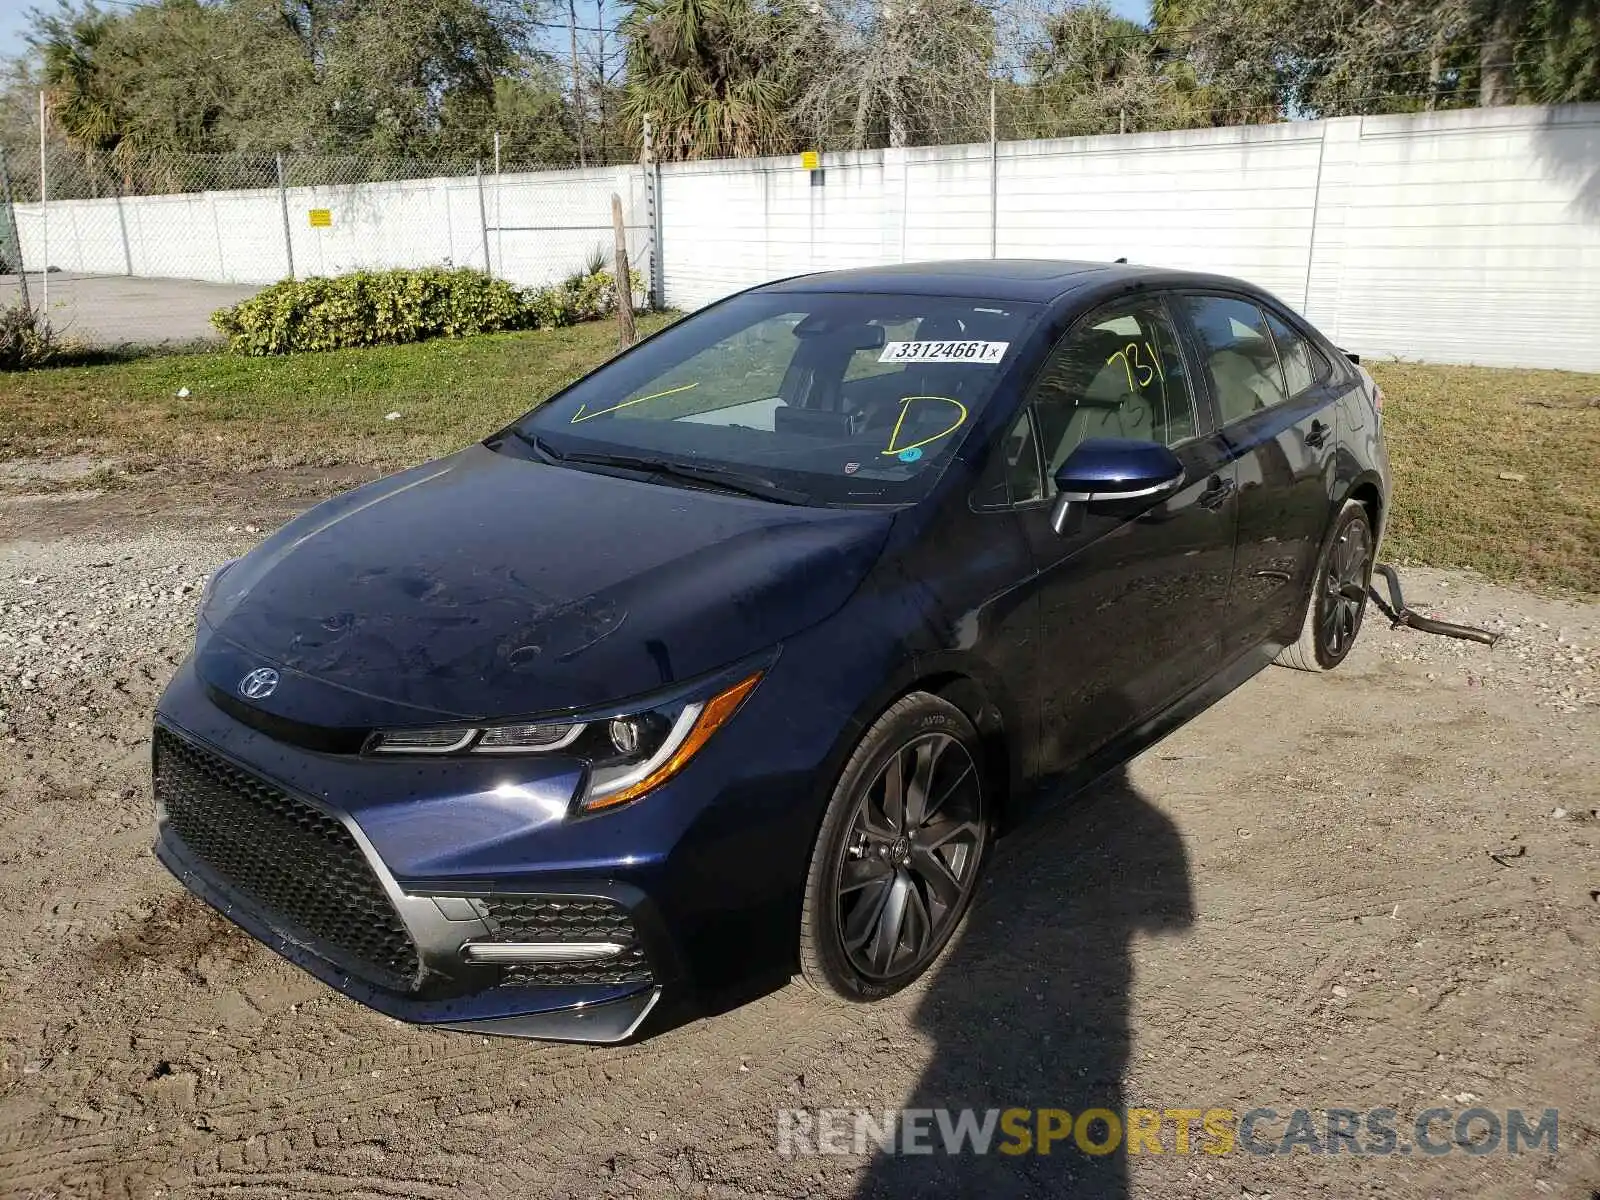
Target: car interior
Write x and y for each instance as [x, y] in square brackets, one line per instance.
[836, 389]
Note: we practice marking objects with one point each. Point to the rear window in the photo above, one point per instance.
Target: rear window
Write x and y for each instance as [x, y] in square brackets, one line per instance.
[846, 398]
[1304, 366]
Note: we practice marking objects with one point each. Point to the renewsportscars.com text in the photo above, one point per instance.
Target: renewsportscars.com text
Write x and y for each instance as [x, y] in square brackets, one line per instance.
[1215, 1131]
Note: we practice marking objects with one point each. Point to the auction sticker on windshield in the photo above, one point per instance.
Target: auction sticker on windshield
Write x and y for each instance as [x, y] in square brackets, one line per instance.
[944, 352]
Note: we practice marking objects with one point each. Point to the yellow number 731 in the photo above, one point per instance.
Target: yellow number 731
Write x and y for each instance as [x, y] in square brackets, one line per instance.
[1133, 363]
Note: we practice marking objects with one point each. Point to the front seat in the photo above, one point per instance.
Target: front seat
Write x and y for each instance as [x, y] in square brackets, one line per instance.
[1106, 407]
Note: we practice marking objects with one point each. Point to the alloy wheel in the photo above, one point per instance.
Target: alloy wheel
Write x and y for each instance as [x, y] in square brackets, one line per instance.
[911, 856]
[1344, 591]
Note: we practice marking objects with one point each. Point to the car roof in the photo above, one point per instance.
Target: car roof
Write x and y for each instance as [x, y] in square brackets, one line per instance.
[1035, 279]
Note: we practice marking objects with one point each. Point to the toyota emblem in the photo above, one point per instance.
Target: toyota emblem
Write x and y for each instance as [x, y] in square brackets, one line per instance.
[259, 684]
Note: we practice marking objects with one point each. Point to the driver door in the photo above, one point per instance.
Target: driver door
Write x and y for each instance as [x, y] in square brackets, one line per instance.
[1132, 594]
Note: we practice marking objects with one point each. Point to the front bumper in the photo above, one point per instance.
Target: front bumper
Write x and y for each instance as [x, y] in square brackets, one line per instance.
[569, 1014]
[708, 869]
[243, 823]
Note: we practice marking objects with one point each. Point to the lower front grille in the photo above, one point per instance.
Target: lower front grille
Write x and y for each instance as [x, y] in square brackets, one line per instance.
[299, 866]
[568, 919]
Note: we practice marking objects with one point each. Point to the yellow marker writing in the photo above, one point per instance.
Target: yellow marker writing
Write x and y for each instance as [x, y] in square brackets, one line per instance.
[581, 415]
[905, 407]
[1131, 362]
[1156, 359]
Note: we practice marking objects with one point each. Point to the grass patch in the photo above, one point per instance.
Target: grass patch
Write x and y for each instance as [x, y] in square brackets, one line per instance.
[322, 409]
[1497, 470]
[1453, 431]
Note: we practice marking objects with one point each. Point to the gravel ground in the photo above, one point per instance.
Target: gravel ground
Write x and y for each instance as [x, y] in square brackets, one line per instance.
[1374, 887]
[118, 310]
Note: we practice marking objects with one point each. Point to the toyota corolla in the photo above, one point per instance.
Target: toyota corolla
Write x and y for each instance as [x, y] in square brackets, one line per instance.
[729, 661]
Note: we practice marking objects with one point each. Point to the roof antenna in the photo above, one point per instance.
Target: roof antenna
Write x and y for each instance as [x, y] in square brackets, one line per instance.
[1123, 259]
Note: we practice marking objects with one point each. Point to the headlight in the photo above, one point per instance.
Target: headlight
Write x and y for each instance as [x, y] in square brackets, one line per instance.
[628, 754]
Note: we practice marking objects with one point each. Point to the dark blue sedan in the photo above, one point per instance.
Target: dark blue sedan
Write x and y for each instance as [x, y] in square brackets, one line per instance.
[731, 660]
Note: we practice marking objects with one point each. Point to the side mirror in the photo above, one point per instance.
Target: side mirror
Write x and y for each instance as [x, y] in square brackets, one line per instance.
[1114, 469]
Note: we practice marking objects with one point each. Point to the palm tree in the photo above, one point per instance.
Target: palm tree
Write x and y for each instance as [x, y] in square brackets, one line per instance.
[82, 105]
[706, 75]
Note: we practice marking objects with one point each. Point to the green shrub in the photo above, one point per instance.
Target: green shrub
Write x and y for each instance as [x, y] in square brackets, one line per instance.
[369, 308]
[26, 339]
[582, 296]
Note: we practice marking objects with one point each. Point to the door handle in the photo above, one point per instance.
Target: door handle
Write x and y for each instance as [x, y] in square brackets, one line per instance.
[1317, 436]
[1216, 493]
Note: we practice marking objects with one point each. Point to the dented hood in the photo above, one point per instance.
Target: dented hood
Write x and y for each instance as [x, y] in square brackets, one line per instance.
[488, 586]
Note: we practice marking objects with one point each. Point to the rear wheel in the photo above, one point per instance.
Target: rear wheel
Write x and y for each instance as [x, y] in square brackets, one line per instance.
[1338, 595]
[897, 858]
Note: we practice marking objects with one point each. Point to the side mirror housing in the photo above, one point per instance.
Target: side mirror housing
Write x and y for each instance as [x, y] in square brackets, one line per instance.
[1104, 470]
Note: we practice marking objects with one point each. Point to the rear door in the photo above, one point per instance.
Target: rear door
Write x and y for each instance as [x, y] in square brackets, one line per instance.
[1275, 398]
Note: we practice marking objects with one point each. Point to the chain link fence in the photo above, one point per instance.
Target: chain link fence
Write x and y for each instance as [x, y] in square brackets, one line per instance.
[256, 218]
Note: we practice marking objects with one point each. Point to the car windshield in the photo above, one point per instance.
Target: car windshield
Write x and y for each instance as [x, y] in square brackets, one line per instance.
[828, 398]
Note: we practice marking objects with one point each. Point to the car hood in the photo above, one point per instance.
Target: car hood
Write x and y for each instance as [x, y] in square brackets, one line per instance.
[488, 586]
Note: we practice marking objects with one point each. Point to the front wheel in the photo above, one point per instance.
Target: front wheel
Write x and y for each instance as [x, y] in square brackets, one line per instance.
[1338, 594]
[897, 857]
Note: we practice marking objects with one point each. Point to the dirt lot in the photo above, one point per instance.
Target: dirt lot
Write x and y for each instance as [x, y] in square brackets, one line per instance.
[1379, 887]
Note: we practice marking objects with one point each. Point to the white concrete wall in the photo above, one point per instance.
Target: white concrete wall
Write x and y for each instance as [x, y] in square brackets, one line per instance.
[238, 236]
[1469, 236]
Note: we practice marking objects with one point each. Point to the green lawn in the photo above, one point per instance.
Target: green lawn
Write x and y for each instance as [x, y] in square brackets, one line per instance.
[297, 410]
[1453, 432]
[1496, 469]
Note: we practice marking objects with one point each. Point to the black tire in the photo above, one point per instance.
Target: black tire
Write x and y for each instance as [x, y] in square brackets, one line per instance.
[890, 879]
[1333, 612]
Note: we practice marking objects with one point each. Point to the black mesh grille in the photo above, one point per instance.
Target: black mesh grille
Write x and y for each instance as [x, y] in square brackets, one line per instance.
[297, 864]
[568, 919]
[628, 967]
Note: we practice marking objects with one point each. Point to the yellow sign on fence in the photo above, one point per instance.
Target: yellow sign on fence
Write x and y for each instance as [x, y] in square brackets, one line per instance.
[810, 160]
[322, 218]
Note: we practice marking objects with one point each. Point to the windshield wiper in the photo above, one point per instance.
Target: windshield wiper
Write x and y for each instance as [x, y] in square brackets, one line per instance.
[725, 478]
[541, 447]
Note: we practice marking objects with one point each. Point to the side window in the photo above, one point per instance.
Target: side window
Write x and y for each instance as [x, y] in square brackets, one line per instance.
[1304, 366]
[1119, 374]
[1239, 353]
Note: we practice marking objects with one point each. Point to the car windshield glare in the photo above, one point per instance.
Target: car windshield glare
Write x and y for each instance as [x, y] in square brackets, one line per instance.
[841, 398]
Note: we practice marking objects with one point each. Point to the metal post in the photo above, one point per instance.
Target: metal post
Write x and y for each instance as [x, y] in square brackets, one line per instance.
[658, 260]
[283, 207]
[994, 178]
[122, 226]
[499, 233]
[652, 168]
[11, 226]
[44, 208]
[577, 85]
[483, 220]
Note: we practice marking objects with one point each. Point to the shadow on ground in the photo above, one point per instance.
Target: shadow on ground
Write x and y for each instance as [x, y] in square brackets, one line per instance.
[1030, 1009]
